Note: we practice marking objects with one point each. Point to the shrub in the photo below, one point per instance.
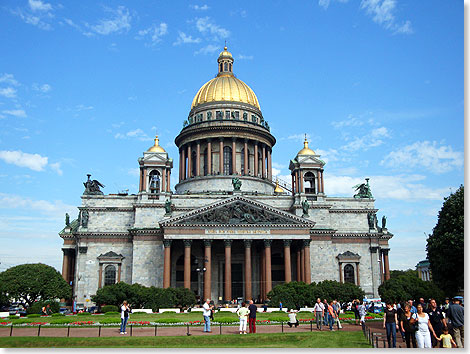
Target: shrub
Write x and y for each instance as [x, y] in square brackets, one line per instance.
[56, 314]
[37, 306]
[111, 313]
[34, 315]
[13, 317]
[83, 314]
[109, 308]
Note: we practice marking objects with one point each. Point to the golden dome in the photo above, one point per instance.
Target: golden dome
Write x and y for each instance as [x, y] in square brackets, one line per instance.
[225, 87]
[278, 189]
[306, 150]
[156, 147]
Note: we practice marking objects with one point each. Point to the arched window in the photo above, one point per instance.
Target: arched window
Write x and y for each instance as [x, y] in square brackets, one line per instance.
[228, 160]
[206, 169]
[349, 274]
[110, 275]
[154, 182]
[221, 67]
[243, 161]
[309, 185]
[230, 67]
[193, 163]
[225, 67]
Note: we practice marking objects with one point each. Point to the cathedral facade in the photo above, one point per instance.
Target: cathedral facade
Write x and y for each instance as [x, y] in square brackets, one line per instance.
[228, 229]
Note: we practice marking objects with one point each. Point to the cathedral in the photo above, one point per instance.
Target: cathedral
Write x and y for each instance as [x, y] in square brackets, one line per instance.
[228, 229]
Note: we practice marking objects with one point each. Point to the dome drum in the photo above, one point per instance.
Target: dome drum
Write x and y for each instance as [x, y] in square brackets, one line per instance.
[223, 185]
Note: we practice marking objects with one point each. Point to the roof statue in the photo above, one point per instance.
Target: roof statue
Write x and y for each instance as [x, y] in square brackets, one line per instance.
[363, 190]
[92, 187]
[305, 207]
[237, 184]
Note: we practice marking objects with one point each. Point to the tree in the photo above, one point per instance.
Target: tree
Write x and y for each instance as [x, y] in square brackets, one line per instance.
[293, 294]
[333, 290]
[28, 283]
[409, 286]
[445, 247]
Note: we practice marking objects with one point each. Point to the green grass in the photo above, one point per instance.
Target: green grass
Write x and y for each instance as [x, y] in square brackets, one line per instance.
[274, 340]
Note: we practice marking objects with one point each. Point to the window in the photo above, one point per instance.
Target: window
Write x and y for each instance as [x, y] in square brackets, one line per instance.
[154, 182]
[227, 160]
[219, 114]
[209, 115]
[206, 169]
[236, 115]
[193, 163]
[309, 186]
[227, 114]
[260, 164]
[243, 161]
[221, 67]
[225, 67]
[230, 67]
[245, 116]
[349, 274]
[109, 275]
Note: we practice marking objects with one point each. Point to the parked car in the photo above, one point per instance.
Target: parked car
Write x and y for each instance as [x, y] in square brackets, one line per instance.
[16, 310]
[64, 310]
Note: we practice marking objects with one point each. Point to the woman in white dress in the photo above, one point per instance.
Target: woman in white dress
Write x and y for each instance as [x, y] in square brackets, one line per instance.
[423, 334]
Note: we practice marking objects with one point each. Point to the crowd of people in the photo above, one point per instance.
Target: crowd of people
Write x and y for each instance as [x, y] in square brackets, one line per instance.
[425, 325]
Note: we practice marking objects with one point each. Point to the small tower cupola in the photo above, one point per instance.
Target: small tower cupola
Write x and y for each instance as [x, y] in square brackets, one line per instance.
[225, 62]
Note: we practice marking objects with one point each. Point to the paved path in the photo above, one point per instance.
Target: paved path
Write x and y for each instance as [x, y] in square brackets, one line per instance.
[140, 331]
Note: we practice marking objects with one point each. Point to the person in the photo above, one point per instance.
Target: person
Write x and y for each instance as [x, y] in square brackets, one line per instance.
[407, 327]
[325, 314]
[412, 309]
[447, 304]
[422, 303]
[125, 310]
[331, 315]
[48, 310]
[280, 306]
[437, 320]
[43, 311]
[206, 313]
[319, 309]
[354, 307]
[424, 327]
[362, 313]
[337, 309]
[455, 314]
[400, 311]
[391, 324]
[242, 313]
[252, 317]
[446, 339]
[293, 319]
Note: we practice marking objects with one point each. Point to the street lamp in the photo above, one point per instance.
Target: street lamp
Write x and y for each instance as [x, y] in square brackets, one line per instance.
[200, 271]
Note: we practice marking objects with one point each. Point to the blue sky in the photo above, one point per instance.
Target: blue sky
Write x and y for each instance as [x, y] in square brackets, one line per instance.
[377, 85]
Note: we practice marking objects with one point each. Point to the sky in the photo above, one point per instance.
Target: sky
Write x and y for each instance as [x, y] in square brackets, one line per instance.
[377, 86]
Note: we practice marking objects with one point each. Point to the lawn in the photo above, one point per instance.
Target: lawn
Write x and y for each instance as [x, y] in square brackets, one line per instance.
[276, 340]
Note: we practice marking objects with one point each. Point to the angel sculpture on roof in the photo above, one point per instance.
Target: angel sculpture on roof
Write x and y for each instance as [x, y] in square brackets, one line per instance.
[363, 190]
[92, 187]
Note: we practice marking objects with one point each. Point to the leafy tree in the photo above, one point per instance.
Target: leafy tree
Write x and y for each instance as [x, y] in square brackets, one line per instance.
[445, 247]
[184, 297]
[408, 286]
[293, 294]
[28, 283]
[343, 292]
[396, 273]
[37, 307]
[115, 294]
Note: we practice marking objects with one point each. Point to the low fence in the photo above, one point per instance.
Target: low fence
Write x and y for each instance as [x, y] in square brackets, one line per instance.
[146, 330]
[375, 339]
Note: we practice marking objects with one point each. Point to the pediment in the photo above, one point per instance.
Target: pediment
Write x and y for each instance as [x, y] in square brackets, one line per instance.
[238, 212]
[110, 255]
[310, 159]
[155, 157]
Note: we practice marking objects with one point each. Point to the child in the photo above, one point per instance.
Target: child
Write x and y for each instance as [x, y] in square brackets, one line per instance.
[446, 339]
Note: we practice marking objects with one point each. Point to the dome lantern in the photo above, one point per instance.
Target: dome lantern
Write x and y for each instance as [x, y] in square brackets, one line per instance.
[156, 147]
[225, 61]
[306, 150]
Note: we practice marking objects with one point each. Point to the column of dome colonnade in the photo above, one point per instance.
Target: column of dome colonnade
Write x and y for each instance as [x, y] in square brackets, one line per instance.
[197, 158]
[264, 261]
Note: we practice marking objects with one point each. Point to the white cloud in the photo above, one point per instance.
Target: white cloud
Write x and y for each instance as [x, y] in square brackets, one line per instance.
[245, 57]
[8, 92]
[134, 172]
[373, 139]
[350, 121]
[382, 12]
[38, 5]
[56, 208]
[326, 3]
[298, 137]
[41, 88]
[15, 112]
[208, 49]
[82, 107]
[118, 22]
[206, 26]
[183, 38]
[34, 162]
[200, 8]
[56, 167]
[9, 79]
[155, 32]
[134, 134]
[425, 154]
[402, 187]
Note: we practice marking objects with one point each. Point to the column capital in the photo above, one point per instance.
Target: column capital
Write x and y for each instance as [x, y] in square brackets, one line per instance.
[167, 243]
[207, 243]
[187, 243]
[209, 140]
[268, 243]
[306, 243]
[234, 138]
[221, 139]
[228, 243]
[374, 249]
[247, 243]
[287, 243]
[385, 251]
